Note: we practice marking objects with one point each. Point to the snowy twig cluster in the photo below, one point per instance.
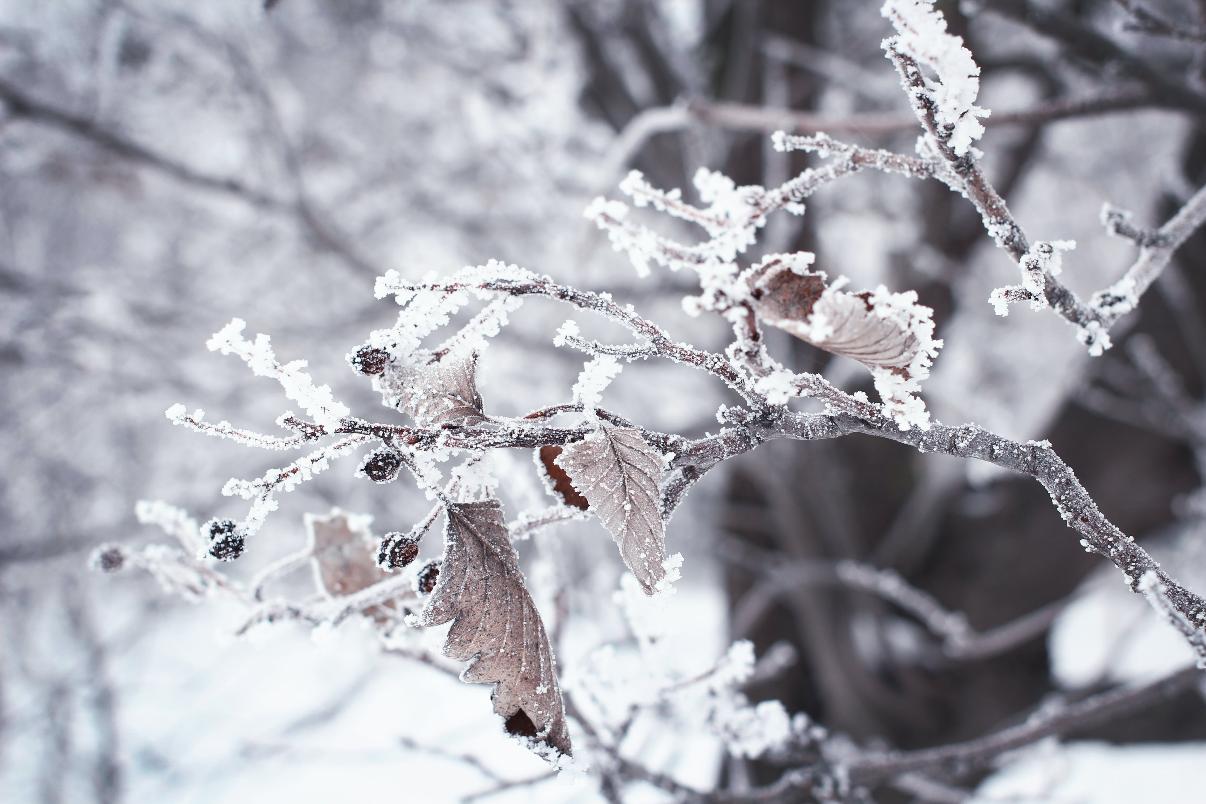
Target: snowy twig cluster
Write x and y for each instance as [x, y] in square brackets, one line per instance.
[632, 478]
[944, 106]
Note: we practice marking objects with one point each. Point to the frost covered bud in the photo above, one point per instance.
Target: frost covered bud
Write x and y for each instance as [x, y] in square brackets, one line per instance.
[225, 541]
[397, 551]
[108, 558]
[427, 577]
[382, 466]
[370, 360]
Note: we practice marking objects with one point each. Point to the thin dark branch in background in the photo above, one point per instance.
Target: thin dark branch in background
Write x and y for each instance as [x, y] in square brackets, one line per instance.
[736, 116]
[301, 210]
[22, 106]
[870, 767]
[41, 550]
[500, 787]
[1142, 18]
[743, 117]
[465, 759]
[1086, 42]
[106, 775]
[58, 724]
[1044, 722]
[958, 640]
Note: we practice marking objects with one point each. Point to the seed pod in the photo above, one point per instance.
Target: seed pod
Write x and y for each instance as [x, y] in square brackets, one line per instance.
[225, 541]
[382, 465]
[427, 577]
[397, 551]
[370, 360]
[108, 558]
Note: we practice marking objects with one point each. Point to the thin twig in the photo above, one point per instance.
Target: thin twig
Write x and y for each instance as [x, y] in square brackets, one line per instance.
[1048, 721]
[1094, 319]
[300, 209]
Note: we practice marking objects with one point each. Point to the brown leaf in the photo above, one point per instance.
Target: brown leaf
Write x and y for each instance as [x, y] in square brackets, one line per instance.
[495, 625]
[620, 475]
[342, 550]
[853, 325]
[562, 484]
[442, 391]
[784, 294]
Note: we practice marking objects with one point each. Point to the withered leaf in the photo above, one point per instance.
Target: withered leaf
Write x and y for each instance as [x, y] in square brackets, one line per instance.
[559, 481]
[495, 625]
[340, 547]
[853, 325]
[442, 391]
[341, 550]
[619, 473]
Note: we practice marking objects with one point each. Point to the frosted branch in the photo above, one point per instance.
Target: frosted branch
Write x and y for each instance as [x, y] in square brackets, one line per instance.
[1039, 263]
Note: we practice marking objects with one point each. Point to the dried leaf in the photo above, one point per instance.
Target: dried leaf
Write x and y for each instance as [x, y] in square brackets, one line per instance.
[495, 625]
[890, 333]
[620, 475]
[558, 480]
[855, 325]
[342, 551]
[783, 294]
[443, 391]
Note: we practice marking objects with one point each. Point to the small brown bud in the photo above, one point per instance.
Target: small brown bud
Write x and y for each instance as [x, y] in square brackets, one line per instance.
[108, 558]
[225, 541]
[425, 582]
[370, 360]
[397, 551]
[382, 465]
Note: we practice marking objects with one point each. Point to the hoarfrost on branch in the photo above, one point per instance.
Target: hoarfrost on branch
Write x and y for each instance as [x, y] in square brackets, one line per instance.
[633, 478]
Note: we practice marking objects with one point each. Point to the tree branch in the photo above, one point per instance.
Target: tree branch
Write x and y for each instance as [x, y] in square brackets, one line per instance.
[1094, 319]
[301, 210]
[872, 768]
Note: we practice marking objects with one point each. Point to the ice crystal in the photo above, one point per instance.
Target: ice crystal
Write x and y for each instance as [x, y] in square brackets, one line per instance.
[921, 33]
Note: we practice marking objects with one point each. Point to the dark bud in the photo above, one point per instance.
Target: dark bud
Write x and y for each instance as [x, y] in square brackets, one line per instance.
[225, 541]
[382, 466]
[397, 551]
[370, 360]
[427, 577]
[108, 558]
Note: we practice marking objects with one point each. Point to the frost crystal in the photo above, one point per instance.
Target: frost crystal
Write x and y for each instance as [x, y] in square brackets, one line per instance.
[1044, 259]
[567, 331]
[1095, 337]
[999, 301]
[173, 521]
[779, 386]
[921, 33]
[596, 375]
[751, 731]
[737, 665]
[671, 573]
[428, 305]
[476, 479]
[731, 220]
[645, 614]
[316, 400]
[1116, 300]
